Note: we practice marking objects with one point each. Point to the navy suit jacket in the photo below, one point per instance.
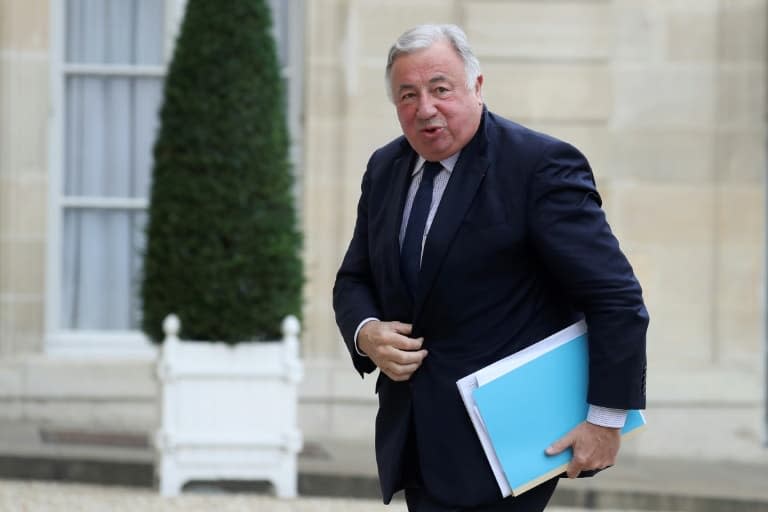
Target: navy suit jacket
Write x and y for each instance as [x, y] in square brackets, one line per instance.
[519, 248]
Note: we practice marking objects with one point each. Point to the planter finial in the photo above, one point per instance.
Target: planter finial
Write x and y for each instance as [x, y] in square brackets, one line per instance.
[171, 326]
[290, 327]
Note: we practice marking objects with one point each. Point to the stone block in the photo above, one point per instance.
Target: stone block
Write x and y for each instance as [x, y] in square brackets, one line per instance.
[540, 30]
[706, 434]
[322, 336]
[664, 96]
[24, 96]
[328, 98]
[353, 420]
[317, 379]
[23, 206]
[346, 385]
[661, 155]
[369, 96]
[365, 134]
[314, 420]
[664, 214]
[740, 300]
[740, 156]
[7, 210]
[741, 219]
[692, 33]
[686, 381]
[26, 343]
[28, 324]
[23, 267]
[679, 291]
[743, 30]
[325, 27]
[11, 381]
[91, 381]
[6, 319]
[6, 271]
[95, 416]
[32, 206]
[548, 91]
[679, 332]
[10, 410]
[741, 96]
[24, 25]
[375, 24]
[640, 29]
[740, 334]
[686, 275]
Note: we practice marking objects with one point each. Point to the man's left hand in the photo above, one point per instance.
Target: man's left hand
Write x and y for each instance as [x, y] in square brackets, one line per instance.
[594, 447]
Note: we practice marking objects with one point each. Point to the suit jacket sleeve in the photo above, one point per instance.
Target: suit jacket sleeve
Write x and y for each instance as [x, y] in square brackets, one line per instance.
[575, 243]
[354, 297]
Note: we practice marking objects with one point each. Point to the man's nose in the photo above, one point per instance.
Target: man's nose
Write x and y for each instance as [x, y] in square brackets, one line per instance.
[426, 107]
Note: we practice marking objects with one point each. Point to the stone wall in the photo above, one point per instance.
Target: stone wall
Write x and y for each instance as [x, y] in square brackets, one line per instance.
[23, 173]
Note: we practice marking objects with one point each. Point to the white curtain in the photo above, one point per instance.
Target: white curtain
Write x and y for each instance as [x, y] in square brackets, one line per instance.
[110, 125]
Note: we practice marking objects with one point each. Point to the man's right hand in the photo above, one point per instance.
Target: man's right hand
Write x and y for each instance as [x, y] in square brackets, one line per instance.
[390, 348]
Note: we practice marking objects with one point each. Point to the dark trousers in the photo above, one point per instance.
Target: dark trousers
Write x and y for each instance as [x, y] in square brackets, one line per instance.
[531, 501]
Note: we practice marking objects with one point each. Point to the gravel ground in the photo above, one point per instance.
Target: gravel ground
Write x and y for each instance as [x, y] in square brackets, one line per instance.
[25, 496]
[18, 496]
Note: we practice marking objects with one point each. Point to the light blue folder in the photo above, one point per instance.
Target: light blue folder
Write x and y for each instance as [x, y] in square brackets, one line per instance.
[527, 409]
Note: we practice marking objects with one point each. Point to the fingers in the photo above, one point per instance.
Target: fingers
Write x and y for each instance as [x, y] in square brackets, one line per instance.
[576, 465]
[389, 346]
[401, 371]
[577, 461]
[560, 445]
[402, 328]
[377, 336]
[594, 447]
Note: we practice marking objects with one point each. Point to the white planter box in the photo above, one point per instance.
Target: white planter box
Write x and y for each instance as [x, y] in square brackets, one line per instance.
[228, 412]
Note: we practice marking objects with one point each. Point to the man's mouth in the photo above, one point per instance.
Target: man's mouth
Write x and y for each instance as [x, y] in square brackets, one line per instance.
[431, 129]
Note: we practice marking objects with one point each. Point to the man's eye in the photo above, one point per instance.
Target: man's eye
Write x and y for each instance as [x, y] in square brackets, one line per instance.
[441, 90]
[407, 96]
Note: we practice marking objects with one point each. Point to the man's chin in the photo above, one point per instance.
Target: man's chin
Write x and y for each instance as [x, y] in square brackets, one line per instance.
[433, 151]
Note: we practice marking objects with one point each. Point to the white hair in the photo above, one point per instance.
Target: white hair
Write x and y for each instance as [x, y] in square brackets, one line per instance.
[424, 36]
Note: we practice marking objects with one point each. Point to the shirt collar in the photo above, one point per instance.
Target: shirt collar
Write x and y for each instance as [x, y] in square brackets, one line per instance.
[448, 163]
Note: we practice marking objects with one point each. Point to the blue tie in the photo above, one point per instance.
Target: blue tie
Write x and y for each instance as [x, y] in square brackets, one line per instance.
[410, 252]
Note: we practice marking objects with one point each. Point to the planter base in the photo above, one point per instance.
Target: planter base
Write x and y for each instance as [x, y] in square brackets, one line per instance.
[228, 412]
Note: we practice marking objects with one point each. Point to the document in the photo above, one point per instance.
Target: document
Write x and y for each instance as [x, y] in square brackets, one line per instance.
[525, 402]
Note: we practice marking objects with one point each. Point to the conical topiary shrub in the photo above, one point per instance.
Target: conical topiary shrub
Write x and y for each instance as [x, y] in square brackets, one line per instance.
[222, 242]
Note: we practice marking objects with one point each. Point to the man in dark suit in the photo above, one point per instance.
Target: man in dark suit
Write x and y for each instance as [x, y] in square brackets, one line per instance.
[476, 237]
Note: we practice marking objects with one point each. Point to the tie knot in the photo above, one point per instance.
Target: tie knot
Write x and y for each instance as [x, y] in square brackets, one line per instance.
[431, 169]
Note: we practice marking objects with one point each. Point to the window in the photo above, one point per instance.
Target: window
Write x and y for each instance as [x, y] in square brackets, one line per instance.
[109, 60]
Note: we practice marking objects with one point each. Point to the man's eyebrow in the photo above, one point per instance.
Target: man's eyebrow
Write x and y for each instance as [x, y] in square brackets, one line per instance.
[435, 79]
[438, 78]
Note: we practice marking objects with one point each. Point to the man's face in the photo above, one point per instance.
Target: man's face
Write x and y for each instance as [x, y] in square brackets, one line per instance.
[437, 113]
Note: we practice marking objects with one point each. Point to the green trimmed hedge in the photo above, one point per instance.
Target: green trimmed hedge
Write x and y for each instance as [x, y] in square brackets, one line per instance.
[222, 242]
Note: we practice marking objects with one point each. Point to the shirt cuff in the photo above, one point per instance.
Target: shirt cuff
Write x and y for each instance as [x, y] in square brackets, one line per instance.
[606, 417]
[357, 331]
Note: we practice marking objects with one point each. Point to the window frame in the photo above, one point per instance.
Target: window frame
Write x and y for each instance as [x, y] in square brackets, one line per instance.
[125, 344]
[58, 340]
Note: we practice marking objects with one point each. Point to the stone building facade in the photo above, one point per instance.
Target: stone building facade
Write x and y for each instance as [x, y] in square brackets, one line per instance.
[666, 98]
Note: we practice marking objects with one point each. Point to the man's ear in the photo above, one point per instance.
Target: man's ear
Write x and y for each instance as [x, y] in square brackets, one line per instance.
[479, 86]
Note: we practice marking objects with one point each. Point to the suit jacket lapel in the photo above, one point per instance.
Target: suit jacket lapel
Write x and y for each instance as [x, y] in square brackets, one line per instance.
[395, 202]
